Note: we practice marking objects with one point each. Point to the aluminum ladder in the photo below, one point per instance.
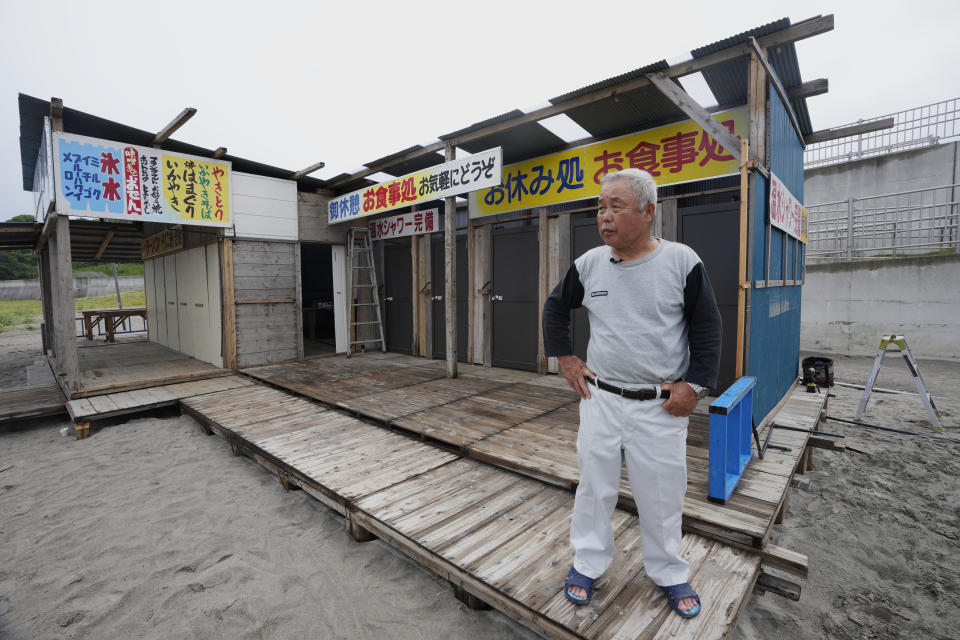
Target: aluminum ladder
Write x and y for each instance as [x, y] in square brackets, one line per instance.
[925, 397]
[363, 277]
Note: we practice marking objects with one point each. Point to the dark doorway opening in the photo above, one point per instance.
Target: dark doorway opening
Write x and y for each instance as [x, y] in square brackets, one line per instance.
[712, 230]
[585, 237]
[398, 296]
[316, 290]
[514, 294]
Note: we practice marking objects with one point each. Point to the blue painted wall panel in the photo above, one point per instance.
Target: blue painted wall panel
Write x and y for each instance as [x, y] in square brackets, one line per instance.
[774, 349]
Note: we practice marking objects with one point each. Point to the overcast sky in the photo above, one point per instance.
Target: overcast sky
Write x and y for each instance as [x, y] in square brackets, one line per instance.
[293, 83]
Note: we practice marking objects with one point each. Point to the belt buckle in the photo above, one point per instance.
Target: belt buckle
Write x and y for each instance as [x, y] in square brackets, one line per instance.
[621, 391]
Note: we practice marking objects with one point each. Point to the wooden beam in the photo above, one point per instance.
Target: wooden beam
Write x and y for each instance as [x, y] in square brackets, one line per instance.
[229, 307]
[809, 89]
[103, 245]
[675, 94]
[742, 283]
[450, 271]
[799, 31]
[67, 358]
[219, 153]
[173, 125]
[778, 86]
[543, 278]
[825, 135]
[303, 172]
[56, 110]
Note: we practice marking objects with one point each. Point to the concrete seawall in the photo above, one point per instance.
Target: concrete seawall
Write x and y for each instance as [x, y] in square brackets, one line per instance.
[83, 287]
[847, 306]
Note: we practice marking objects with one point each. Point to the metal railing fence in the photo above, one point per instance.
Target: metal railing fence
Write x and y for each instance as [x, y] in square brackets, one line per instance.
[907, 223]
[913, 128]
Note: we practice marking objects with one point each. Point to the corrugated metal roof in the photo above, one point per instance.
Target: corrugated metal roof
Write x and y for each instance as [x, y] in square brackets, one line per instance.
[33, 110]
[408, 166]
[728, 81]
[523, 141]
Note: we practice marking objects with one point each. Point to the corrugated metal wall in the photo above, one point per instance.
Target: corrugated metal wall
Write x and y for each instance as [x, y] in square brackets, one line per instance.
[775, 311]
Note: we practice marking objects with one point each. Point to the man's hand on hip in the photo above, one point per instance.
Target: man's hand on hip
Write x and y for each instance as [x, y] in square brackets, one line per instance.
[682, 400]
[574, 369]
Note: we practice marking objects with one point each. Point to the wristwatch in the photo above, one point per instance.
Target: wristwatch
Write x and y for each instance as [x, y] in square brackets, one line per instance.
[700, 391]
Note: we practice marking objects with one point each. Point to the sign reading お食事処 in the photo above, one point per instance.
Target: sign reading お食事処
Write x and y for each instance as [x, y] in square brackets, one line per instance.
[786, 212]
[452, 178]
[164, 242]
[681, 152]
[405, 224]
[104, 179]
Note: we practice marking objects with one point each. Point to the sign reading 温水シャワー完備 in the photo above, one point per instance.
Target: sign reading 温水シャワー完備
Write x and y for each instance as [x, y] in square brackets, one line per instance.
[786, 212]
[103, 179]
[405, 224]
[479, 171]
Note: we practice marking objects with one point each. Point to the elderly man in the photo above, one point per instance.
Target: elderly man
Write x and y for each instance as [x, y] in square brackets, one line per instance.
[654, 350]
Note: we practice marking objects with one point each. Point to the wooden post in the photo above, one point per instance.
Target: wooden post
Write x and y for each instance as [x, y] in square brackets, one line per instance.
[450, 272]
[742, 283]
[543, 274]
[63, 305]
[229, 312]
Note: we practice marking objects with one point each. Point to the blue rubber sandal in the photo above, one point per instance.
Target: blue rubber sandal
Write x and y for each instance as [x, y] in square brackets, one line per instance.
[577, 579]
[678, 592]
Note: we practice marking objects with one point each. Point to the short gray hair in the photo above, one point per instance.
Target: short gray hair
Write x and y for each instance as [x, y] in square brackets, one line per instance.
[641, 182]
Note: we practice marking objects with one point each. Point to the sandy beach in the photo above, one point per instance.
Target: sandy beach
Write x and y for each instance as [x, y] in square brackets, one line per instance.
[151, 529]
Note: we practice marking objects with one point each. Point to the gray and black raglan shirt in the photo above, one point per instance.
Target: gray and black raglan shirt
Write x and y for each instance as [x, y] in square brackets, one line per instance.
[652, 320]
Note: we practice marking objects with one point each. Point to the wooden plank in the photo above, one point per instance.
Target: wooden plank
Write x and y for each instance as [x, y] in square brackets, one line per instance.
[673, 92]
[825, 135]
[809, 89]
[639, 609]
[724, 581]
[229, 307]
[80, 408]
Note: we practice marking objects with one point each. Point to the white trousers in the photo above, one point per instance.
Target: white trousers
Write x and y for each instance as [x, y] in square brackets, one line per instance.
[654, 444]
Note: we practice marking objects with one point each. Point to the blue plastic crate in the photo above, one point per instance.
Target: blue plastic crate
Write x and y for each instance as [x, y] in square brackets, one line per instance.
[731, 427]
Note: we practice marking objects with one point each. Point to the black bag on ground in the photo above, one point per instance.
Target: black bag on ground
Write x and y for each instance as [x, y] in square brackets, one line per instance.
[819, 370]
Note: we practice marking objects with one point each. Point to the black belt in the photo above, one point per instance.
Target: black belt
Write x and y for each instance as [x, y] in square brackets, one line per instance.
[629, 394]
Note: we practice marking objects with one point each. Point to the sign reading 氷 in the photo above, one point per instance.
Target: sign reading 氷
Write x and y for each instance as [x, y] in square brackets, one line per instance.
[786, 212]
[405, 224]
[103, 179]
[452, 178]
[676, 153]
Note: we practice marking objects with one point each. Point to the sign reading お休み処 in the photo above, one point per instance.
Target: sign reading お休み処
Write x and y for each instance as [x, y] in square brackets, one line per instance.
[103, 179]
[786, 212]
[672, 154]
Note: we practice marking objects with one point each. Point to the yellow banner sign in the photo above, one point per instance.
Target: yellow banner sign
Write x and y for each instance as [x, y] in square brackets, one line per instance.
[164, 242]
[681, 152]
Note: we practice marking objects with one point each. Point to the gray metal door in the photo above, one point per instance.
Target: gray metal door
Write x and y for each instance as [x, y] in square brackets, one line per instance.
[713, 232]
[398, 296]
[585, 237]
[438, 318]
[514, 297]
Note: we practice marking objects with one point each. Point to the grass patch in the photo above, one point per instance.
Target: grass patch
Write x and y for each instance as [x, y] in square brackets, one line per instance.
[16, 315]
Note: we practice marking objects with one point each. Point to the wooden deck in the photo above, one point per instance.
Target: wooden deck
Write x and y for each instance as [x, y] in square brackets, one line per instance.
[528, 423]
[127, 402]
[495, 534]
[124, 366]
[35, 394]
